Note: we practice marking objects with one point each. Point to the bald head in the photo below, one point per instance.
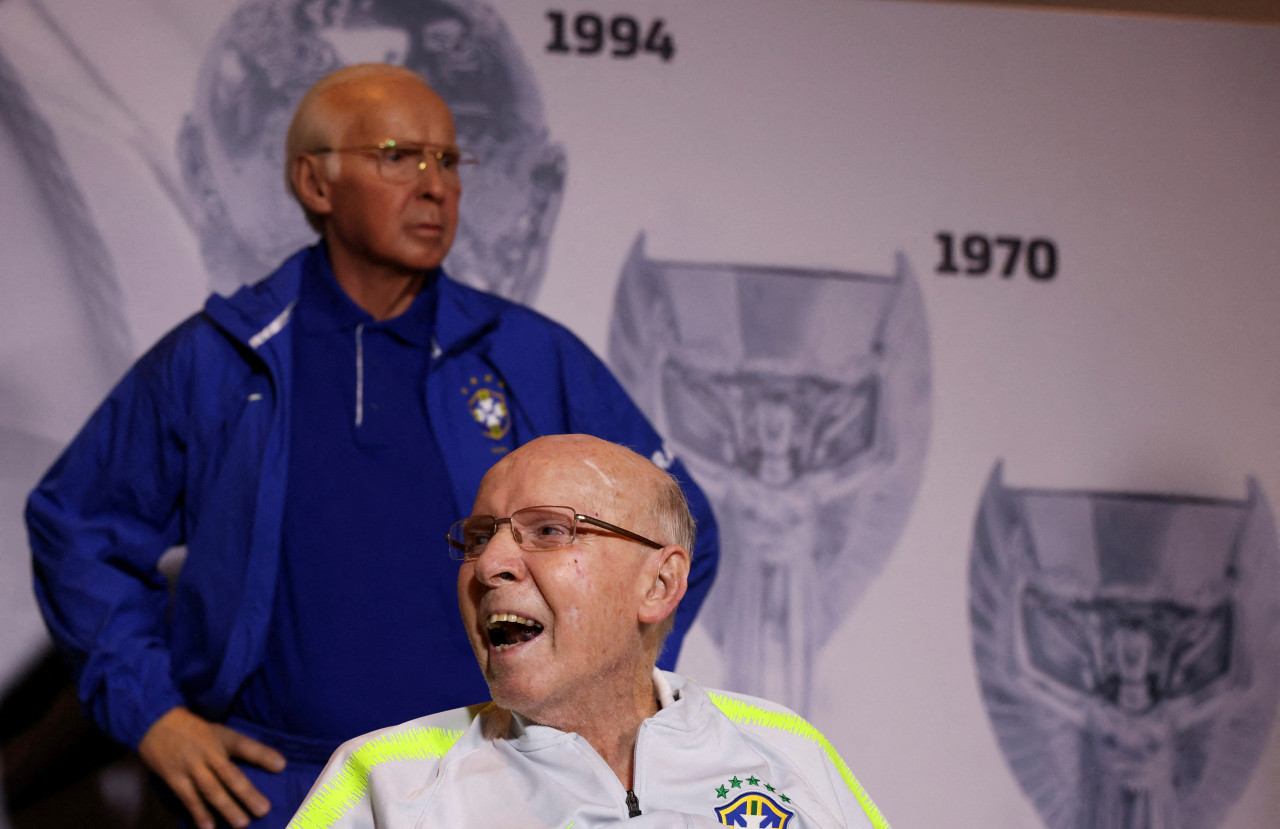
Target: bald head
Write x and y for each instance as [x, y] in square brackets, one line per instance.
[606, 481]
[562, 630]
[331, 105]
[618, 482]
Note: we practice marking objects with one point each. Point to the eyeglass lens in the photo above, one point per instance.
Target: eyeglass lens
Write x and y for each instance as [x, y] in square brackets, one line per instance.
[534, 528]
[404, 163]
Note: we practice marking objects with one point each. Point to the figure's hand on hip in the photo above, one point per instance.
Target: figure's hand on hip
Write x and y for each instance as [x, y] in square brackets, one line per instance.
[196, 759]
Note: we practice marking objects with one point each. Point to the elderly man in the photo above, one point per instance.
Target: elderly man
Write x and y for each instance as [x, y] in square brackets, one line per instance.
[301, 438]
[573, 564]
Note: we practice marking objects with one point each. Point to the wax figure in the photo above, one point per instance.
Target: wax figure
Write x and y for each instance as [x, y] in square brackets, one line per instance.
[566, 607]
[302, 439]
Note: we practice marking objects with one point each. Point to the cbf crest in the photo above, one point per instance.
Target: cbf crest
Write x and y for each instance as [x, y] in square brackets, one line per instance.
[487, 402]
[753, 807]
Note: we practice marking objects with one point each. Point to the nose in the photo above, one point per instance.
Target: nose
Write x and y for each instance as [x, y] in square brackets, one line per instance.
[501, 560]
[431, 178]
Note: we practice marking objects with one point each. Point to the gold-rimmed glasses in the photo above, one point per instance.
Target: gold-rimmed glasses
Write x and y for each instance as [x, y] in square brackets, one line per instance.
[535, 529]
[401, 162]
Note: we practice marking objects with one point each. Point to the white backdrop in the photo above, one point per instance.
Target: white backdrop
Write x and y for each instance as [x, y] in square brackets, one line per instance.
[804, 136]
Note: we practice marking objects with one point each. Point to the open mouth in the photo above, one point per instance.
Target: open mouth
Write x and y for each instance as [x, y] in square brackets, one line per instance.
[508, 629]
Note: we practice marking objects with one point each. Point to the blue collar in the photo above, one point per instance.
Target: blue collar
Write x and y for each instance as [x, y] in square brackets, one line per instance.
[323, 307]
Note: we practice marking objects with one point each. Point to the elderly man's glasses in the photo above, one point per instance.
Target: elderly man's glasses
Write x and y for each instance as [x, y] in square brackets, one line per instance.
[402, 162]
[535, 529]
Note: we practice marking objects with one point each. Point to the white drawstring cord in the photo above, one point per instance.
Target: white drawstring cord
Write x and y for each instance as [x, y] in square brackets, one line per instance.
[359, 374]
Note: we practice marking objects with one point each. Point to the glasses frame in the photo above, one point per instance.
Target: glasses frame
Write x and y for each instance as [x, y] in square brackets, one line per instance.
[436, 151]
[459, 553]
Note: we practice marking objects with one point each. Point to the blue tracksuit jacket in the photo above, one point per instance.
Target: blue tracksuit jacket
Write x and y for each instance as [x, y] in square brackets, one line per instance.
[191, 448]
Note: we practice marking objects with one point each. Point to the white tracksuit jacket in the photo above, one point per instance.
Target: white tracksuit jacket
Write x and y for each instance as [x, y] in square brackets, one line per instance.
[705, 759]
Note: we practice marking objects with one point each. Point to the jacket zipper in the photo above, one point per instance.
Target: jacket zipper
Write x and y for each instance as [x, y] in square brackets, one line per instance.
[633, 802]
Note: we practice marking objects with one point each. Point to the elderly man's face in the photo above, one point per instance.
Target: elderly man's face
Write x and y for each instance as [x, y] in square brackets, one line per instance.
[401, 226]
[566, 619]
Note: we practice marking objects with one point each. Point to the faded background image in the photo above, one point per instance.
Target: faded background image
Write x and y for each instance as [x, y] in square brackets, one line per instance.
[270, 52]
[1126, 647]
[800, 399]
[81, 330]
[75, 330]
[140, 170]
[64, 346]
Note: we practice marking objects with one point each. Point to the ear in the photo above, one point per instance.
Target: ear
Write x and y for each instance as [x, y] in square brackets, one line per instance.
[670, 581]
[311, 185]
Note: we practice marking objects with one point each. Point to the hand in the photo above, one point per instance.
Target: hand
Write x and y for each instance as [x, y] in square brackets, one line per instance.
[194, 757]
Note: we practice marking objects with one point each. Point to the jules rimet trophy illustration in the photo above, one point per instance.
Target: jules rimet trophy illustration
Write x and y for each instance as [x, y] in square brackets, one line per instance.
[800, 400]
[1125, 644]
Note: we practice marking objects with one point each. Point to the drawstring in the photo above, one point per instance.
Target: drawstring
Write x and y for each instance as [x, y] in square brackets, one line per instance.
[359, 374]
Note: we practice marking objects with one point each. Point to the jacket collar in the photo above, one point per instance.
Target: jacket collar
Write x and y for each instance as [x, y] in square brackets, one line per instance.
[324, 307]
[256, 313]
[464, 313]
[668, 688]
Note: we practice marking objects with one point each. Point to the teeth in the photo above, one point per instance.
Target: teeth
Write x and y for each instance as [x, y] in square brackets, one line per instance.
[497, 618]
[507, 630]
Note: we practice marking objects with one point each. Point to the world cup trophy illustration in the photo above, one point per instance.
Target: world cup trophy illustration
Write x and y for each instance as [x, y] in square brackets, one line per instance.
[800, 401]
[1126, 647]
[267, 55]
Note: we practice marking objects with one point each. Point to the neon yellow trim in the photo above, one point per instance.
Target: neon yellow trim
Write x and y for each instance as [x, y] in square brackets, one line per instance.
[741, 712]
[351, 783]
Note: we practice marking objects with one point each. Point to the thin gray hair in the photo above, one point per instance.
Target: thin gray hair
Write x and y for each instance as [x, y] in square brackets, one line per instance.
[670, 511]
[674, 524]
